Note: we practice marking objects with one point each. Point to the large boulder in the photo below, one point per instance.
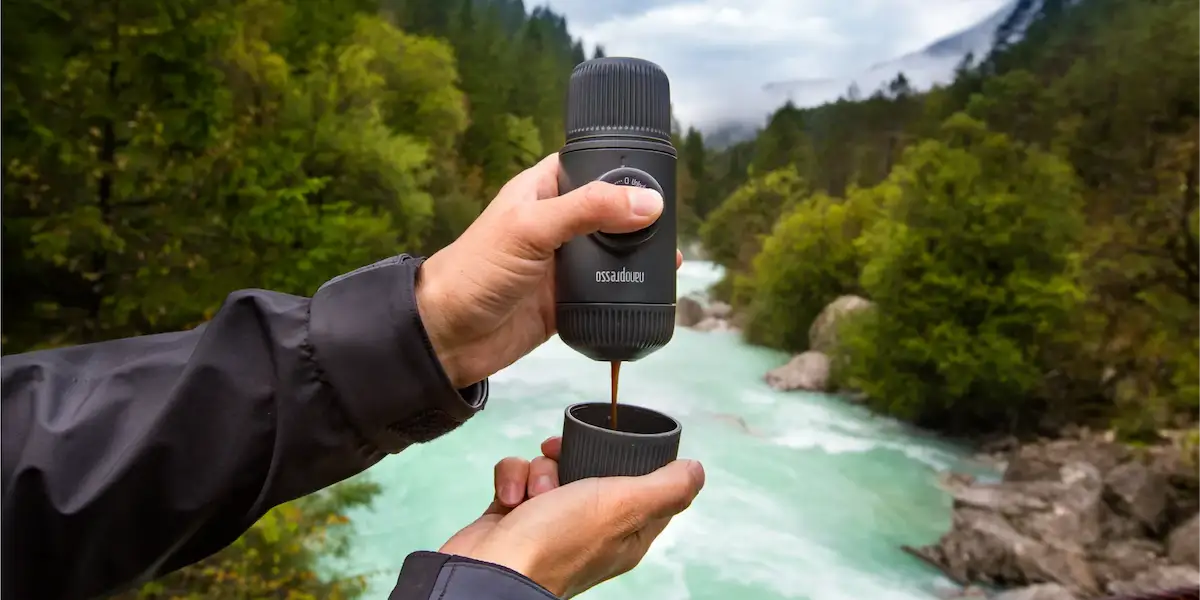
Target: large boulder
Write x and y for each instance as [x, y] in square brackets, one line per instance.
[1025, 532]
[1045, 591]
[984, 547]
[1123, 560]
[688, 311]
[822, 334]
[807, 371]
[1086, 514]
[1139, 492]
[1183, 545]
[1158, 579]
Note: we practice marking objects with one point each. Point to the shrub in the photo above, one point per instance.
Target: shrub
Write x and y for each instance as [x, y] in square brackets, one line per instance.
[973, 271]
[278, 556]
[808, 260]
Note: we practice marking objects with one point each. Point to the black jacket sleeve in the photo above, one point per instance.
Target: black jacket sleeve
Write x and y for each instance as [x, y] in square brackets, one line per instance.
[127, 459]
[436, 576]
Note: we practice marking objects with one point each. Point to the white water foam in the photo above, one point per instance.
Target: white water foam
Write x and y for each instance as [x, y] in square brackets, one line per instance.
[806, 497]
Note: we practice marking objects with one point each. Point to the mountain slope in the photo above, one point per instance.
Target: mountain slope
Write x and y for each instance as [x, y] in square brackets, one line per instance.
[931, 65]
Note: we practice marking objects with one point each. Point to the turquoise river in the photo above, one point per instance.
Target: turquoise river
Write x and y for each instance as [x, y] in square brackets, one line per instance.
[811, 503]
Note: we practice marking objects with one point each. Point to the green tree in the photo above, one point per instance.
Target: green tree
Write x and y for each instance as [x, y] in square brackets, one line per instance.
[783, 143]
[161, 153]
[808, 260]
[733, 233]
[973, 271]
[278, 556]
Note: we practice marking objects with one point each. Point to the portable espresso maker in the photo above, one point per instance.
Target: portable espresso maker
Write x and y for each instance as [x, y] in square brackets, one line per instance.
[616, 291]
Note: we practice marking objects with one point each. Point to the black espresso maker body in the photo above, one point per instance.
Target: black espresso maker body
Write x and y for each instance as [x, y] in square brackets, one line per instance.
[616, 292]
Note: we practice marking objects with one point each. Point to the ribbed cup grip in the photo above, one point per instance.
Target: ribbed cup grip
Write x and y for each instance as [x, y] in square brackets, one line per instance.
[609, 332]
[619, 96]
[647, 440]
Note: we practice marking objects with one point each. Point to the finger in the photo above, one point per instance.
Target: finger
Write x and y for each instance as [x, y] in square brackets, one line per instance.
[552, 447]
[512, 475]
[541, 179]
[548, 224]
[546, 177]
[678, 259]
[543, 476]
[661, 494]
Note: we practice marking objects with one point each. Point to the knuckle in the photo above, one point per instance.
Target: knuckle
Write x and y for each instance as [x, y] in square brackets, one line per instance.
[631, 557]
[526, 231]
[625, 512]
[599, 195]
[509, 461]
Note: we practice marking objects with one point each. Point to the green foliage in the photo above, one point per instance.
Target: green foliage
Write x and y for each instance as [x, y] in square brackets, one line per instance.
[159, 154]
[808, 261]
[732, 233]
[514, 69]
[973, 270]
[1109, 86]
[276, 557]
[138, 207]
[783, 143]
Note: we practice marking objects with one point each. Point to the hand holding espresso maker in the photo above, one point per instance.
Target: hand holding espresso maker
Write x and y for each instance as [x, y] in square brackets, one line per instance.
[616, 292]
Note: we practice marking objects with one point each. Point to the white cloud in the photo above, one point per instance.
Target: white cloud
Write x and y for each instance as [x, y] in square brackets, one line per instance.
[720, 53]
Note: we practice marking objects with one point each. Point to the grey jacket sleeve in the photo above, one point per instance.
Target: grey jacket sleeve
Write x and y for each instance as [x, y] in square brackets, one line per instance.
[437, 576]
[127, 459]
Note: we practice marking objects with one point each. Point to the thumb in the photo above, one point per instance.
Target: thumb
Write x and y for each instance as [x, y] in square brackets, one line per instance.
[594, 207]
[664, 493]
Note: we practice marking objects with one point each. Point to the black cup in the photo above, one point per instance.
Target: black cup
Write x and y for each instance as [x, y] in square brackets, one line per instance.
[645, 441]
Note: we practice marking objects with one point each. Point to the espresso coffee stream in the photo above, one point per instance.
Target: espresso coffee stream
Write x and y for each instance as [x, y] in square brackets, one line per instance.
[616, 376]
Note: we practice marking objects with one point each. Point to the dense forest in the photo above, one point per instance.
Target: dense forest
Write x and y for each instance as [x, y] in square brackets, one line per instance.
[160, 154]
[1028, 232]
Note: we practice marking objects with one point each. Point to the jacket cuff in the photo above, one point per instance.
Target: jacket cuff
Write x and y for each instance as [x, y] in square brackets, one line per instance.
[371, 346]
[433, 575]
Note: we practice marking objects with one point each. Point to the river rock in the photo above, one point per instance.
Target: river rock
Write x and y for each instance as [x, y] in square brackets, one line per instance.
[1042, 461]
[1139, 492]
[822, 334]
[1026, 532]
[1046, 591]
[807, 371]
[713, 324]
[1183, 545]
[1158, 579]
[1085, 514]
[1123, 560]
[688, 311]
[719, 310]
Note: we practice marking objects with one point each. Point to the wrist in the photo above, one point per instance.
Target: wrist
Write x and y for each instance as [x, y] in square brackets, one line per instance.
[429, 296]
[521, 563]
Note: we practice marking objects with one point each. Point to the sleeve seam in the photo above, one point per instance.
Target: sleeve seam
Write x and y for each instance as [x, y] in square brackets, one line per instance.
[309, 353]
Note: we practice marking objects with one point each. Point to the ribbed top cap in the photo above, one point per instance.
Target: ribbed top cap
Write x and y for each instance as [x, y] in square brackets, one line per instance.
[619, 96]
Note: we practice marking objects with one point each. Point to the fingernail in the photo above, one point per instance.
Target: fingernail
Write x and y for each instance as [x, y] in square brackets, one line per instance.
[644, 201]
[542, 484]
[510, 494]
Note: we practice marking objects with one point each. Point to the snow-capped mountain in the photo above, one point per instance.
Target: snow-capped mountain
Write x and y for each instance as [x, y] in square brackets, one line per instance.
[933, 64]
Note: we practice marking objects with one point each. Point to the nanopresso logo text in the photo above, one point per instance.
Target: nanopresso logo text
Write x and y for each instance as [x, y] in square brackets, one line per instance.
[622, 276]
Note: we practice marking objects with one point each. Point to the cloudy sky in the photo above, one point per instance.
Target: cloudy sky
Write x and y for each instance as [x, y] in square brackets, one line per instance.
[720, 53]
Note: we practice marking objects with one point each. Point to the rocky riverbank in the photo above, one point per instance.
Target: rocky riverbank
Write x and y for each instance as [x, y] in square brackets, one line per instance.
[1076, 518]
[808, 370]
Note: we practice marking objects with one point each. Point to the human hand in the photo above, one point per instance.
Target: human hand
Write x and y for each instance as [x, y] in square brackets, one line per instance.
[571, 538]
[488, 298]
